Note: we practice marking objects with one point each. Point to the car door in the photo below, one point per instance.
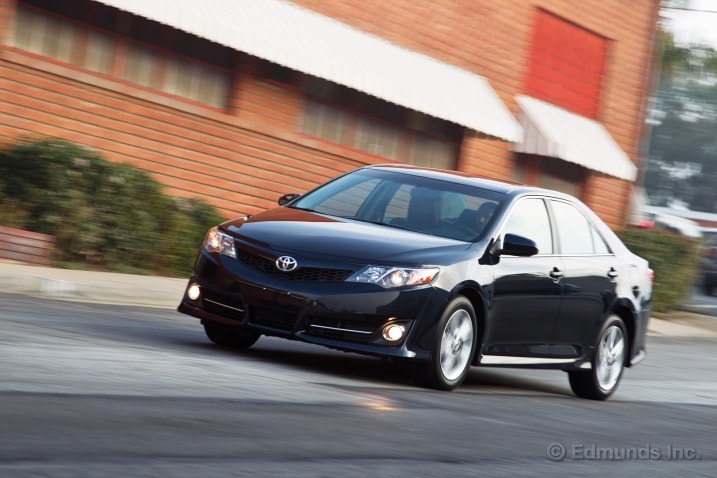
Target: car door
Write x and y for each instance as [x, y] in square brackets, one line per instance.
[588, 282]
[526, 290]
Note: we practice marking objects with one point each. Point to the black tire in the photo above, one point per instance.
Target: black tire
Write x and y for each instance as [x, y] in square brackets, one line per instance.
[608, 363]
[228, 336]
[453, 347]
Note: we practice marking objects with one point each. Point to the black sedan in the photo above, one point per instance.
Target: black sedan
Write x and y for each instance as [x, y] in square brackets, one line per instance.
[434, 267]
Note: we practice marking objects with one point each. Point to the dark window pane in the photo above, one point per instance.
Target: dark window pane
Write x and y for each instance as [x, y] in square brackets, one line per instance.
[574, 230]
[529, 218]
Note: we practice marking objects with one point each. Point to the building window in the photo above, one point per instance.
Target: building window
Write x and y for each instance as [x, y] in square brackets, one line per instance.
[431, 153]
[341, 115]
[44, 35]
[550, 173]
[139, 65]
[99, 52]
[324, 121]
[377, 138]
[190, 69]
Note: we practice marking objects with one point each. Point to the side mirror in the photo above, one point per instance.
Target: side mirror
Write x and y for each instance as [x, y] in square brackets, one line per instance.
[515, 245]
[287, 198]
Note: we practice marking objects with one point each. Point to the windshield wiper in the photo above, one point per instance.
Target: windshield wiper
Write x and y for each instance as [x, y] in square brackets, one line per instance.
[301, 208]
[379, 223]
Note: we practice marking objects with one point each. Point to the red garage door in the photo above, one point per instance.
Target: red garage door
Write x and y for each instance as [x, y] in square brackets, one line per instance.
[566, 65]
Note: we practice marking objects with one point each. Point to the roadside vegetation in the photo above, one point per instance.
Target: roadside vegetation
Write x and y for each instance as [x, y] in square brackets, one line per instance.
[103, 215]
[673, 257]
[109, 216]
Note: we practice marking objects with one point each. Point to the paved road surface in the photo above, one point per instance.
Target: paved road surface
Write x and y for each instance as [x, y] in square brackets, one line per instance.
[97, 390]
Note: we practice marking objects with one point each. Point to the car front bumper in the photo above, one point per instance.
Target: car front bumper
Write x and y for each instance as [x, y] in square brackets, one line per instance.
[340, 315]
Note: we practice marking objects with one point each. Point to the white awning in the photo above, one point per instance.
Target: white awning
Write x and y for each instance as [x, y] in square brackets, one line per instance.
[549, 130]
[288, 35]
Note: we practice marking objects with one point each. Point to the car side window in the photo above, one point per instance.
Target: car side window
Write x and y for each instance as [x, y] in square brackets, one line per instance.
[529, 218]
[599, 243]
[575, 233]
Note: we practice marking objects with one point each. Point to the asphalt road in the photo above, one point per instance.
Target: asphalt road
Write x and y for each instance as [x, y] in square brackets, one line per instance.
[93, 390]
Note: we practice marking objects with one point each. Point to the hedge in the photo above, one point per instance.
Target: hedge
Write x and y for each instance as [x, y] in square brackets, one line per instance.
[115, 217]
[673, 257]
[103, 215]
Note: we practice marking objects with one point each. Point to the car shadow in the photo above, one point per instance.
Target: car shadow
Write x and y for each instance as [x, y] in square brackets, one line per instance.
[507, 381]
[315, 359]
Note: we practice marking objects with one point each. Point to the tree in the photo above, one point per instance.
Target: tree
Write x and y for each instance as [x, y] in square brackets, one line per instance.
[682, 162]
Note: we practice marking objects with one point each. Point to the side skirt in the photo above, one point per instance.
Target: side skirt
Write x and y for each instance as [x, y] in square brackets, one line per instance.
[546, 362]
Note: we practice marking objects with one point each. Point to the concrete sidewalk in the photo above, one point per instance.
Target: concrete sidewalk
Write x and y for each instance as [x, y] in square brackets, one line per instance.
[88, 286]
[165, 292]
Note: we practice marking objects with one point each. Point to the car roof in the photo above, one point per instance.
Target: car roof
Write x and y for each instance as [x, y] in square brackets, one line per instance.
[505, 187]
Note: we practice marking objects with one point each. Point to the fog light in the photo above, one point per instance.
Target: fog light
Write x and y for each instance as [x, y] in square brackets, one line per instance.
[393, 332]
[193, 292]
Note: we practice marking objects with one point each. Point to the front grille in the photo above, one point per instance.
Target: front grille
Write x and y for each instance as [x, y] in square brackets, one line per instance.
[274, 318]
[301, 274]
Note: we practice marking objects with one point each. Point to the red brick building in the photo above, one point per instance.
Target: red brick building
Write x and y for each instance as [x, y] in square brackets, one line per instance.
[238, 102]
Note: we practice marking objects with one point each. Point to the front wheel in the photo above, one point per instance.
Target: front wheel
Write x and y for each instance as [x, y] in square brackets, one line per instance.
[607, 364]
[228, 336]
[453, 347]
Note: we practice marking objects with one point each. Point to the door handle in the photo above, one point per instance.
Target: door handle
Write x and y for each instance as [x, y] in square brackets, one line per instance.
[556, 274]
[612, 273]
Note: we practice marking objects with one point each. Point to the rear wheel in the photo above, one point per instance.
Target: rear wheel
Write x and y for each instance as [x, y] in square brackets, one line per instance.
[453, 347]
[228, 336]
[608, 363]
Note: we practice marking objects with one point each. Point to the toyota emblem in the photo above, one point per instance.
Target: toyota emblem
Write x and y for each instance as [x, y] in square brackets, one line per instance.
[286, 263]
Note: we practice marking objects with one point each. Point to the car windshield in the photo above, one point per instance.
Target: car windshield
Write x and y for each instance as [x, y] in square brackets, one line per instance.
[402, 200]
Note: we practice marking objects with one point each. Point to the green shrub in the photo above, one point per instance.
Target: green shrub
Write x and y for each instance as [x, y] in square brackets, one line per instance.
[102, 214]
[674, 259]
[188, 230]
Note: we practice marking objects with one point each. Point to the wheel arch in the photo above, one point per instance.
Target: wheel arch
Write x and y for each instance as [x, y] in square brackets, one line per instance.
[627, 316]
[475, 295]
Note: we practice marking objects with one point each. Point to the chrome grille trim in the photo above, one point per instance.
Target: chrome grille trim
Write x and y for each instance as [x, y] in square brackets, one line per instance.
[223, 305]
[339, 329]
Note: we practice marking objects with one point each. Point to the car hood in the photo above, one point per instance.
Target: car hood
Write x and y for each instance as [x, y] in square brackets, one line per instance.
[293, 231]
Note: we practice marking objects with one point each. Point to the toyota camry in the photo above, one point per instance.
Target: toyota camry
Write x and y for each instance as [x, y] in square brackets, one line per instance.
[435, 267]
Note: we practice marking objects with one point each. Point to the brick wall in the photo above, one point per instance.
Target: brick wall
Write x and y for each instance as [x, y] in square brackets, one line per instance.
[492, 38]
[243, 159]
[7, 13]
[609, 198]
[25, 246]
[240, 163]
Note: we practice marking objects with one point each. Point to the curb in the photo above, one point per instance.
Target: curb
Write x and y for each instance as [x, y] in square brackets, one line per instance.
[665, 328]
[95, 287]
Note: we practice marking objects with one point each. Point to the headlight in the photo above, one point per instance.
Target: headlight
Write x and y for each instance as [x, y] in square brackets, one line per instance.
[217, 241]
[389, 277]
